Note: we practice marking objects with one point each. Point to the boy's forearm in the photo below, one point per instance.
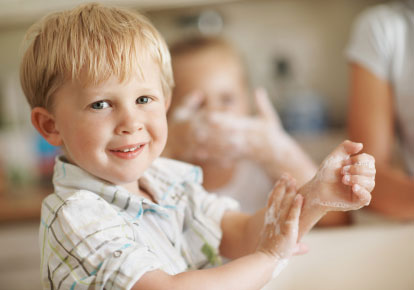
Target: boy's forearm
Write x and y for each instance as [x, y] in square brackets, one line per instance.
[253, 229]
[240, 233]
[311, 211]
[247, 273]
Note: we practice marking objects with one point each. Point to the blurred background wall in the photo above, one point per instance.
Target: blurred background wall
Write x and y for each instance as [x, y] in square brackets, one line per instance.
[310, 36]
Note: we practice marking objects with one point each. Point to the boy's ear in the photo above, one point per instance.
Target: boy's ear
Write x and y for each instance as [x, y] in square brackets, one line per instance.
[45, 124]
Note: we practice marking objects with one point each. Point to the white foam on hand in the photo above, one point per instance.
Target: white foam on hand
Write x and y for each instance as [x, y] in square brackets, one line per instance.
[334, 188]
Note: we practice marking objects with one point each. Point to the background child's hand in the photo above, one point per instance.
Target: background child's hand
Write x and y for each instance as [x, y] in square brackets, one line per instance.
[344, 180]
[260, 137]
[280, 230]
[197, 133]
[270, 141]
[187, 129]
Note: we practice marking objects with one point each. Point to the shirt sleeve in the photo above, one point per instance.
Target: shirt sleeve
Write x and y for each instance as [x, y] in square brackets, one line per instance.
[371, 41]
[93, 247]
[203, 224]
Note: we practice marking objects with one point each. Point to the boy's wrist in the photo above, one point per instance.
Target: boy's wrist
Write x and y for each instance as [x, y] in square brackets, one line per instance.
[274, 263]
[269, 259]
[312, 197]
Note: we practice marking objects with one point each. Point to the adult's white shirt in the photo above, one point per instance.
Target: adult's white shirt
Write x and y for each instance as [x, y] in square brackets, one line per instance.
[383, 42]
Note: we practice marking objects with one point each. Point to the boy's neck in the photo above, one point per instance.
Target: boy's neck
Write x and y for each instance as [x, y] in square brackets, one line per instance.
[136, 189]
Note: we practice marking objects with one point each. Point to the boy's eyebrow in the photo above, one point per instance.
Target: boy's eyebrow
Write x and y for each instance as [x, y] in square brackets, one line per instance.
[139, 91]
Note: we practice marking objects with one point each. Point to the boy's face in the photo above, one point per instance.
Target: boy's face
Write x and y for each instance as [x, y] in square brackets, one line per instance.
[215, 75]
[113, 130]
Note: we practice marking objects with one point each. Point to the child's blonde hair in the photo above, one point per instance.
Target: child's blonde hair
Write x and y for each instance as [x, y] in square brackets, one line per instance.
[215, 45]
[200, 44]
[89, 43]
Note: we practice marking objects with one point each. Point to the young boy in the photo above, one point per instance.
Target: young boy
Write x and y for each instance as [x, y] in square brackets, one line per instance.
[99, 82]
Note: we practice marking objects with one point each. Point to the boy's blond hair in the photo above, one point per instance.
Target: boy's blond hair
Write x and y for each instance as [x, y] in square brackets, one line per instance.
[90, 44]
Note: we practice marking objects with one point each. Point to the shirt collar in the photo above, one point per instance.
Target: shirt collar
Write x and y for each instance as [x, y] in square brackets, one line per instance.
[68, 178]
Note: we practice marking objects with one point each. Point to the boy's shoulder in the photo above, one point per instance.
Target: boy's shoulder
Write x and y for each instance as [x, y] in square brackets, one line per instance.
[174, 170]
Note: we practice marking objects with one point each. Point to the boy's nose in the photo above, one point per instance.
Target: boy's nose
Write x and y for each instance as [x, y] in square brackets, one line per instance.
[129, 123]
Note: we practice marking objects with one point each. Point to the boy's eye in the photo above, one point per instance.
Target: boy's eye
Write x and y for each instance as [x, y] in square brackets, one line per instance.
[144, 100]
[100, 105]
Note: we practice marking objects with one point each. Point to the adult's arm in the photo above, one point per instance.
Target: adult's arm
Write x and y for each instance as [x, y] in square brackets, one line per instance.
[371, 121]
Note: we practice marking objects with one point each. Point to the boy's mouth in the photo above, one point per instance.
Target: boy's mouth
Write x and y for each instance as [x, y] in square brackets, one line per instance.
[129, 151]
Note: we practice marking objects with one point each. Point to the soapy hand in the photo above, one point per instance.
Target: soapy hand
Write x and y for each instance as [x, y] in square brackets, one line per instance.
[260, 138]
[272, 146]
[344, 180]
[187, 129]
[197, 134]
[255, 137]
[280, 230]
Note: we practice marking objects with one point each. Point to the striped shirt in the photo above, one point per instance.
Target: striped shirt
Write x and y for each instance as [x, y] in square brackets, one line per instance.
[96, 235]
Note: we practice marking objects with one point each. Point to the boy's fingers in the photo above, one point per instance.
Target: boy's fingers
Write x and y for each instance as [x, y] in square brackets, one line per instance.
[300, 249]
[363, 160]
[278, 192]
[288, 198]
[292, 221]
[362, 196]
[363, 181]
[346, 148]
[357, 169]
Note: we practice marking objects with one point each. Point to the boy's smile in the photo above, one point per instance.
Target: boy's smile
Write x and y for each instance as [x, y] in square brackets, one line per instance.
[113, 130]
[129, 151]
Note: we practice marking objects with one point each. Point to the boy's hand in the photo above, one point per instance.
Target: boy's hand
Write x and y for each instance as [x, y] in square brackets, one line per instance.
[280, 230]
[344, 180]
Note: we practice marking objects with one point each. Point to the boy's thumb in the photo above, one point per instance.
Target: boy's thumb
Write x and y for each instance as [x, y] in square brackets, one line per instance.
[347, 148]
[300, 249]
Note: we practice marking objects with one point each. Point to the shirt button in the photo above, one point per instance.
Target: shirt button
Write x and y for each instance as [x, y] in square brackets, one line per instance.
[117, 253]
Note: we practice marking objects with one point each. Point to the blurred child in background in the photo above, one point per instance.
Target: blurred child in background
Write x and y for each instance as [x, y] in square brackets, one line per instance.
[211, 124]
